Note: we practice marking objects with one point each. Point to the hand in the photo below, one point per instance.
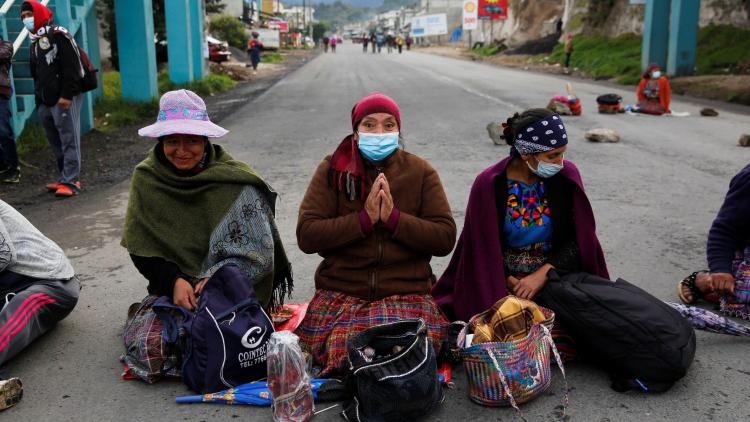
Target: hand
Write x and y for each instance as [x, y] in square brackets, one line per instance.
[201, 284]
[530, 285]
[372, 203]
[183, 294]
[722, 283]
[64, 103]
[386, 200]
[512, 283]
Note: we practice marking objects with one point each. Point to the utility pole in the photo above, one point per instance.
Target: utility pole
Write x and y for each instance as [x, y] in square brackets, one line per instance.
[304, 17]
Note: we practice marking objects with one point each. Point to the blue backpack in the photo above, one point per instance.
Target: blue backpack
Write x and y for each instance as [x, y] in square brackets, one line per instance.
[227, 335]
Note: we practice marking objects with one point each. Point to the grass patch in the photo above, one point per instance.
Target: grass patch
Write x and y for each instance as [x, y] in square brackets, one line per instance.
[112, 112]
[32, 139]
[487, 50]
[722, 49]
[272, 58]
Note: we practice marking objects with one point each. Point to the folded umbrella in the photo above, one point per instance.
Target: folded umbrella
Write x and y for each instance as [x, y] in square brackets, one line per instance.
[705, 320]
[254, 394]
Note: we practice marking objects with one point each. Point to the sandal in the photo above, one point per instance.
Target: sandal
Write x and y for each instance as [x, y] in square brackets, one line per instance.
[689, 282]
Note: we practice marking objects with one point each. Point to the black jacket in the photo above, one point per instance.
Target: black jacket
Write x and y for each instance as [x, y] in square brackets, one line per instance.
[55, 66]
[6, 55]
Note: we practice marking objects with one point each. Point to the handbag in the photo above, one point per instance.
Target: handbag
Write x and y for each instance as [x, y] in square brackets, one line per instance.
[393, 373]
[514, 372]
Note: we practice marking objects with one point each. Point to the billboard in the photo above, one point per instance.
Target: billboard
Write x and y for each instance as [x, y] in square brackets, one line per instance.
[493, 9]
[427, 25]
[282, 26]
[470, 15]
[269, 37]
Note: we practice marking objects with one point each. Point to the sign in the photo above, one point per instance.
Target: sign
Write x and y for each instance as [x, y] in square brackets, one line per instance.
[266, 6]
[493, 9]
[282, 26]
[427, 25]
[269, 37]
[470, 15]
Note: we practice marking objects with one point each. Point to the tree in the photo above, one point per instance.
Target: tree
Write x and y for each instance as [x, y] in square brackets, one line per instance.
[214, 6]
[320, 28]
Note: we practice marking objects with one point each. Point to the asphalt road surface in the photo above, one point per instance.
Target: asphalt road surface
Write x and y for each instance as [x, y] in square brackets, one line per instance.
[654, 195]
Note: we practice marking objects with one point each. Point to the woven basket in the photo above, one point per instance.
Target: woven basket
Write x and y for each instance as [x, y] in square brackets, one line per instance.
[510, 373]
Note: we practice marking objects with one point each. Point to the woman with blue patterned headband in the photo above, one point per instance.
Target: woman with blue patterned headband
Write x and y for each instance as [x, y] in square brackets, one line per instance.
[526, 215]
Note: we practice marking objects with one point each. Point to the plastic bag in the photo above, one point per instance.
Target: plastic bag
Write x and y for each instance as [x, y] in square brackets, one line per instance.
[288, 379]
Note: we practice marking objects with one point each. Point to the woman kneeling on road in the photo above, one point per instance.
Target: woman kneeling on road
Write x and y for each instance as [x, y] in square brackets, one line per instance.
[526, 215]
[193, 208]
[376, 214]
[728, 278]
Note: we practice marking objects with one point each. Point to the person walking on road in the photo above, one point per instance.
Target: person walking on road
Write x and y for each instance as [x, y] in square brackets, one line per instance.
[409, 42]
[57, 71]
[10, 171]
[373, 42]
[371, 196]
[326, 40]
[254, 48]
[400, 43]
[38, 288]
[333, 43]
[365, 42]
[727, 279]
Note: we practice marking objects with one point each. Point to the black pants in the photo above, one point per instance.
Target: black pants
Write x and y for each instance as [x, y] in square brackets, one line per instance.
[567, 59]
[7, 139]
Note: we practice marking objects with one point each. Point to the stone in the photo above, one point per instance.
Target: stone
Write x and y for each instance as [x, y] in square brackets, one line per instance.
[745, 140]
[495, 131]
[602, 135]
[709, 112]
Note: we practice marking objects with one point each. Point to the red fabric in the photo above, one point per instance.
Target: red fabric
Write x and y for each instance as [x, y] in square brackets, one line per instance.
[365, 223]
[347, 166]
[42, 14]
[393, 220]
[665, 93]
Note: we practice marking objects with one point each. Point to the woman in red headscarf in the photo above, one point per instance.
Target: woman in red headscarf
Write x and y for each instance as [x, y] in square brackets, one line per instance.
[654, 92]
[376, 214]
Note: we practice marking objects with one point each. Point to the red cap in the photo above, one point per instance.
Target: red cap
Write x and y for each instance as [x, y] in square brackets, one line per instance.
[374, 103]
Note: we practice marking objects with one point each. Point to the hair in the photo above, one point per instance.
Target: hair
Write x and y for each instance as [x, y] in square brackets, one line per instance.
[518, 122]
[650, 68]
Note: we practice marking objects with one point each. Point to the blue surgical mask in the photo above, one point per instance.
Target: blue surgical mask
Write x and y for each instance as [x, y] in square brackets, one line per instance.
[29, 24]
[378, 146]
[544, 169]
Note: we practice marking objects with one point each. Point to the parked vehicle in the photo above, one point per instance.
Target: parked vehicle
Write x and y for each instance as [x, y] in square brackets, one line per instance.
[218, 51]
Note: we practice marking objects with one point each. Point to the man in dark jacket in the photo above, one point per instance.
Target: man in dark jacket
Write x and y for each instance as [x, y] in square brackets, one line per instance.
[57, 71]
[9, 169]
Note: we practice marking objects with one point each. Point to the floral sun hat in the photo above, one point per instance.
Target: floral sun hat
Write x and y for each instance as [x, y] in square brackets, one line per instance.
[182, 112]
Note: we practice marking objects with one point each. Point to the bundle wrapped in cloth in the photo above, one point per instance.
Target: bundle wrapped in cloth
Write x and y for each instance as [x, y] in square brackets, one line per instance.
[509, 319]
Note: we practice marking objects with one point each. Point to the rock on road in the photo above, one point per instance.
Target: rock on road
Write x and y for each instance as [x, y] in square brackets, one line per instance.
[654, 195]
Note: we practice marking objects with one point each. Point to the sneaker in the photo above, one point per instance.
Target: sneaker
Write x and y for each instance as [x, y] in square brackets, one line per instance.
[66, 191]
[11, 176]
[53, 186]
[11, 392]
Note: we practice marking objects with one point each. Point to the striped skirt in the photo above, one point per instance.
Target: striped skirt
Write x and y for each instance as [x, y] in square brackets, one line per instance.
[333, 317]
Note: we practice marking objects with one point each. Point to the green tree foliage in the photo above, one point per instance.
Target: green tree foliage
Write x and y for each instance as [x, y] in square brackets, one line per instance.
[229, 29]
[320, 28]
[214, 6]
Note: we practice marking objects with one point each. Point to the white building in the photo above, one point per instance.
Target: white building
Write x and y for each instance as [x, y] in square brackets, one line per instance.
[299, 16]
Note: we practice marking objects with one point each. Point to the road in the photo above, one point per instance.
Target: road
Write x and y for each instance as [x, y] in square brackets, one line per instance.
[654, 195]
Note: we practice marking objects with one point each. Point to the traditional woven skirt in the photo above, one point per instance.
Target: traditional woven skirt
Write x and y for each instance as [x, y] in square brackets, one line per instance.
[333, 317]
[738, 304]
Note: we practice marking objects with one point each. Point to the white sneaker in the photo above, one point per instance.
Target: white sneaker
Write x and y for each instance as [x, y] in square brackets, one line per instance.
[11, 392]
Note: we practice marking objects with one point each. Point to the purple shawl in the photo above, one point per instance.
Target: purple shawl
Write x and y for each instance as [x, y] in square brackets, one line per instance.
[475, 278]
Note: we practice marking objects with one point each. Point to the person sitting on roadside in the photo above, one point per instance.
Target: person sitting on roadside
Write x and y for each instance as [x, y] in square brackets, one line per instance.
[38, 288]
[654, 93]
[526, 215]
[193, 209]
[727, 279]
[376, 214]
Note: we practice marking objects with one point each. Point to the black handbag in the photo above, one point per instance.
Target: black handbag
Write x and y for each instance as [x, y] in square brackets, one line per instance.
[393, 373]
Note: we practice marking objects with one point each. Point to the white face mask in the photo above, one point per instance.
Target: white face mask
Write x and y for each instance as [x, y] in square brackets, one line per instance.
[655, 74]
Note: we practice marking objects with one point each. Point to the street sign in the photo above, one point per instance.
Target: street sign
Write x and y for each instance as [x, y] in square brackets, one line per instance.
[427, 25]
[282, 26]
[470, 15]
[493, 9]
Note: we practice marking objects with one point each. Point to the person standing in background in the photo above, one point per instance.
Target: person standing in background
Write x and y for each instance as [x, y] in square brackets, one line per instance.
[10, 172]
[254, 47]
[568, 49]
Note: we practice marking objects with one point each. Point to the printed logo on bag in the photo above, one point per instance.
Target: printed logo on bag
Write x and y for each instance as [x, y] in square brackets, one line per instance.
[253, 338]
[250, 341]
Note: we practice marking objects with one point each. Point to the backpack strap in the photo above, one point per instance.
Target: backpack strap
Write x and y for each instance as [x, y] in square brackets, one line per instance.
[53, 30]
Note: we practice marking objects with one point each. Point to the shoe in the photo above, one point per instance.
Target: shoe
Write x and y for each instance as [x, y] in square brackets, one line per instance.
[11, 392]
[53, 186]
[66, 191]
[11, 176]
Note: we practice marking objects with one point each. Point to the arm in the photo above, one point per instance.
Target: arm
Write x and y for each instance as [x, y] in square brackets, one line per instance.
[6, 51]
[665, 93]
[730, 224]
[7, 250]
[160, 273]
[70, 67]
[319, 228]
[639, 91]
[433, 232]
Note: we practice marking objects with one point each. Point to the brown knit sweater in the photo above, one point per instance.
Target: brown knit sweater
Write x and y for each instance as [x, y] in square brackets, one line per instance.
[382, 263]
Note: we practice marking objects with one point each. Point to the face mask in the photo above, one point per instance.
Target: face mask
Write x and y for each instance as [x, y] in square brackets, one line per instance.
[29, 24]
[378, 146]
[656, 74]
[544, 169]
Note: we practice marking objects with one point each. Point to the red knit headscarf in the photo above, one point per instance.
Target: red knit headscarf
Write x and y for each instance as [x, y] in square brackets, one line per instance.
[347, 169]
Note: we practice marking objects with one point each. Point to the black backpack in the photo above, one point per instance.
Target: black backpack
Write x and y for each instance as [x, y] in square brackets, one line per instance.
[643, 343]
[609, 99]
[88, 73]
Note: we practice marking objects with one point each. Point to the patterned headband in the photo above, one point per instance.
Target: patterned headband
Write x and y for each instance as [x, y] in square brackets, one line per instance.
[542, 136]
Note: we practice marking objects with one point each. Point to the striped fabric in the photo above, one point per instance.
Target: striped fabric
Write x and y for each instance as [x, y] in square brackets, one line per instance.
[333, 317]
[738, 305]
[21, 317]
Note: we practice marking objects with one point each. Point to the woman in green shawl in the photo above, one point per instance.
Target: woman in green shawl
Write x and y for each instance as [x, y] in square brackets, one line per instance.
[194, 209]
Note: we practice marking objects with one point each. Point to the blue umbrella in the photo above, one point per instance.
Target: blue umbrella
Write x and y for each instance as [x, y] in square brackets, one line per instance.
[254, 394]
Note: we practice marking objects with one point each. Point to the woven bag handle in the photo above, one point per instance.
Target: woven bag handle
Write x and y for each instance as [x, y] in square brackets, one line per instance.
[504, 383]
[551, 342]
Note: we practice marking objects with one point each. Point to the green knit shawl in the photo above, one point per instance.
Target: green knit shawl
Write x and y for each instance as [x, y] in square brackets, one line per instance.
[172, 216]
